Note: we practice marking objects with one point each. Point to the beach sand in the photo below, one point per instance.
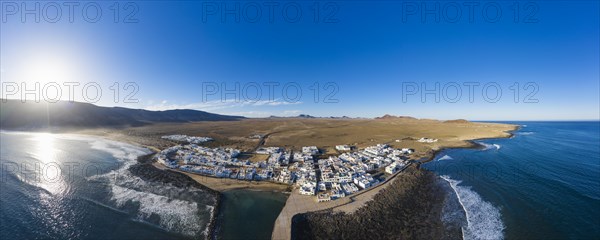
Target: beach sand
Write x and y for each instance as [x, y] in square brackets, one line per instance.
[224, 184]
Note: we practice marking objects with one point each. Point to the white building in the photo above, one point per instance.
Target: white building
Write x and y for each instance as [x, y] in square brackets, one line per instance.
[427, 140]
[343, 148]
[337, 193]
[323, 197]
[392, 168]
[312, 150]
[349, 188]
[268, 150]
[308, 188]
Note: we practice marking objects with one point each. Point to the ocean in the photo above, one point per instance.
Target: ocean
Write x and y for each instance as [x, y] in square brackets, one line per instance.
[543, 183]
[55, 186]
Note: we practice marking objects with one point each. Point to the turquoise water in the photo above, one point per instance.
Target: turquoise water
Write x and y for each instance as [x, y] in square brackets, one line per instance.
[544, 183]
[73, 187]
[247, 214]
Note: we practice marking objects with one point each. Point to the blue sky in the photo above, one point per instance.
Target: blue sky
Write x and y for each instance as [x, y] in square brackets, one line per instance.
[363, 59]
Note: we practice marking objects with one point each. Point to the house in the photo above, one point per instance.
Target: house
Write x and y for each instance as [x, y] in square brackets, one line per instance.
[349, 188]
[427, 140]
[322, 186]
[312, 150]
[301, 157]
[337, 193]
[307, 191]
[364, 181]
[408, 150]
[268, 150]
[262, 151]
[343, 148]
[323, 197]
[308, 188]
[392, 168]
[255, 136]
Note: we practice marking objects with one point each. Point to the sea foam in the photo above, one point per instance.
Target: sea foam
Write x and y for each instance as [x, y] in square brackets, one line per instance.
[175, 215]
[525, 133]
[487, 146]
[483, 219]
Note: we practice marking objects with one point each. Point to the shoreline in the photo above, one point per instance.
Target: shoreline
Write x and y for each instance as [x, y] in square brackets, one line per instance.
[404, 210]
[145, 169]
[472, 144]
[227, 184]
[287, 224]
[451, 192]
[219, 185]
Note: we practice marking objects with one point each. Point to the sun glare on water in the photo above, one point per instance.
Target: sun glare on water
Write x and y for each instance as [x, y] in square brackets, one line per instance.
[51, 175]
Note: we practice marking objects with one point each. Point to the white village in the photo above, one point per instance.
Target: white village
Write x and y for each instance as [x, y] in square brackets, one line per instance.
[328, 178]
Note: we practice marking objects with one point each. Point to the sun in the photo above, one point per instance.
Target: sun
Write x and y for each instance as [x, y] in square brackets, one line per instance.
[48, 69]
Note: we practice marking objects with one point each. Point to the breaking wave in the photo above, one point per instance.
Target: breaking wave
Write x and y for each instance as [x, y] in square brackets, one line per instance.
[525, 133]
[487, 146]
[175, 215]
[483, 219]
[151, 199]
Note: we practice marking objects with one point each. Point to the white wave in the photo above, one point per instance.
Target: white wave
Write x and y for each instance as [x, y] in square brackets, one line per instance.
[525, 133]
[483, 219]
[175, 215]
[119, 150]
[445, 157]
[103, 205]
[211, 210]
[488, 146]
[124, 153]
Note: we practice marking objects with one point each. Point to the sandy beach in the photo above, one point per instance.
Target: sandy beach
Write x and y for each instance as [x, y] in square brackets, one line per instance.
[224, 184]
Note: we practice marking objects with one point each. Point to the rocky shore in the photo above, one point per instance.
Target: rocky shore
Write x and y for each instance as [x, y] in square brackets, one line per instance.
[410, 208]
[146, 171]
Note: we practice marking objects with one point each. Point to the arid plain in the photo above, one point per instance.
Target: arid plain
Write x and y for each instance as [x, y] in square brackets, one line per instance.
[325, 133]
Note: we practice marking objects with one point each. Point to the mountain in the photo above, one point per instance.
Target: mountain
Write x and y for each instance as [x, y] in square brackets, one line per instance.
[299, 116]
[310, 116]
[30, 115]
[388, 116]
[457, 121]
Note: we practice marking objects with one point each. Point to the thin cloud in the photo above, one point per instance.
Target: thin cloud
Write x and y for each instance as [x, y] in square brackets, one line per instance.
[262, 114]
[218, 104]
